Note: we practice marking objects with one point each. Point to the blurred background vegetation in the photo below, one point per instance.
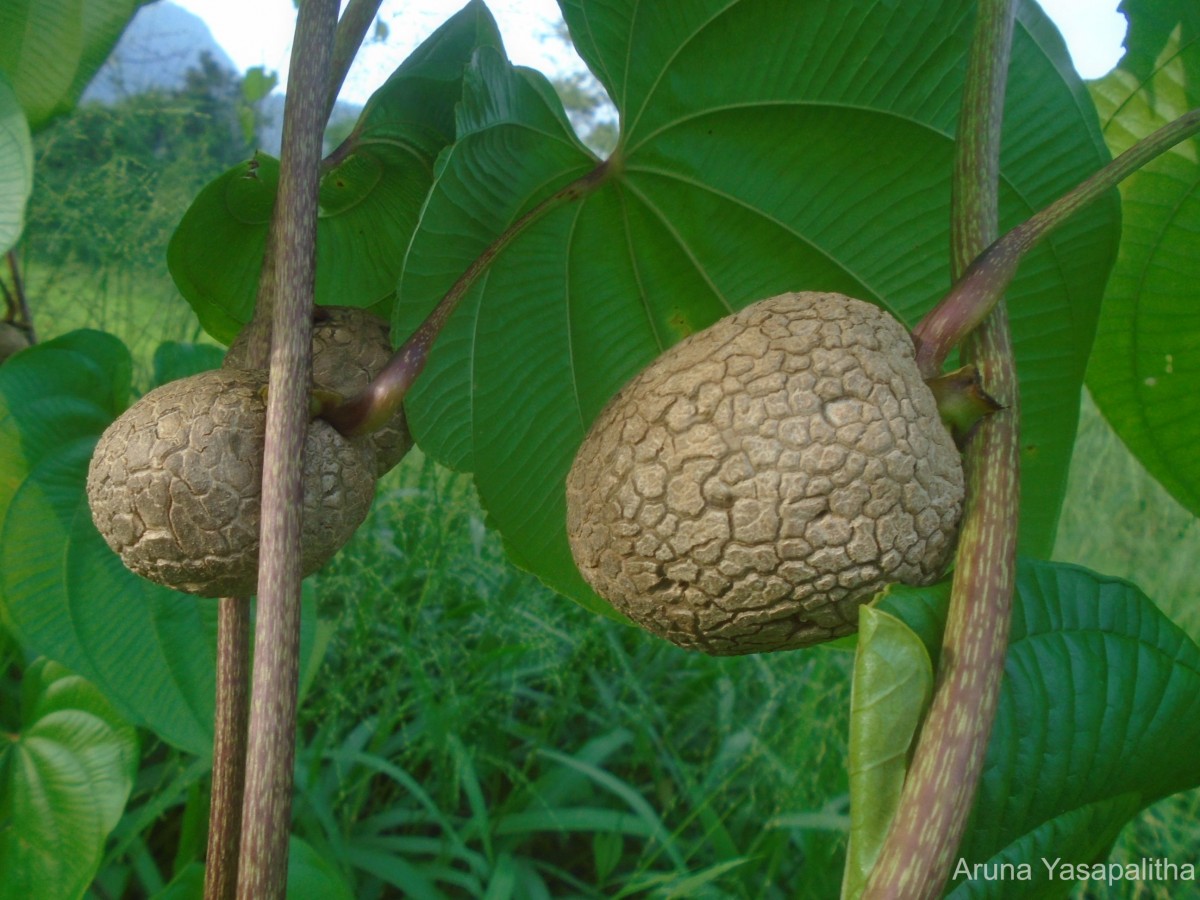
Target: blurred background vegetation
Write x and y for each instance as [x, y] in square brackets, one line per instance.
[466, 720]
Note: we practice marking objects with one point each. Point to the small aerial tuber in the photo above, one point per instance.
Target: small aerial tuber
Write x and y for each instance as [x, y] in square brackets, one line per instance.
[349, 347]
[766, 476]
[175, 484]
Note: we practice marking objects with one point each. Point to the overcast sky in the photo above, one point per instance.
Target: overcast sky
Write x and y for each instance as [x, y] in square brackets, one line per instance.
[259, 32]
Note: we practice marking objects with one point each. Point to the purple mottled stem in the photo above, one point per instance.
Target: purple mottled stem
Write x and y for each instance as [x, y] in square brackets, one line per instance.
[272, 737]
[918, 853]
[980, 287]
[229, 748]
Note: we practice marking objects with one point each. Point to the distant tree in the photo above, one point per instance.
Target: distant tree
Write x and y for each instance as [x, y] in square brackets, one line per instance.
[590, 110]
[587, 103]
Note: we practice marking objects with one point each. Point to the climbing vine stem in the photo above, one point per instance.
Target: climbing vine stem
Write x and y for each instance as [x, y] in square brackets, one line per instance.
[916, 858]
[229, 748]
[266, 810]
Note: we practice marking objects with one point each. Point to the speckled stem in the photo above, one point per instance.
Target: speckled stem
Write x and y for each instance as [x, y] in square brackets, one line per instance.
[352, 28]
[229, 748]
[918, 854]
[271, 751]
[983, 282]
[378, 401]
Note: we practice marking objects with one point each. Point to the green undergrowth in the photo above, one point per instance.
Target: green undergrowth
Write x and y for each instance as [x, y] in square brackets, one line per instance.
[470, 726]
[1167, 831]
[1118, 520]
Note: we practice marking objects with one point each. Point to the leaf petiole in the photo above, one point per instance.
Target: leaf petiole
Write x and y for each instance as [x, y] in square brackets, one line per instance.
[374, 405]
[975, 294]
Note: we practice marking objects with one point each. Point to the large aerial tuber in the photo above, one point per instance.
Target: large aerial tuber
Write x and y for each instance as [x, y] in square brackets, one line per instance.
[766, 476]
[175, 484]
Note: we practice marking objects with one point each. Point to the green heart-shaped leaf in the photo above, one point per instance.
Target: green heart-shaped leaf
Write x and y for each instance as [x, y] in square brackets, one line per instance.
[370, 194]
[1144, 374]
[64, 780]
[64, 593]
[174, 360]
[1099, 716]
[765, 146]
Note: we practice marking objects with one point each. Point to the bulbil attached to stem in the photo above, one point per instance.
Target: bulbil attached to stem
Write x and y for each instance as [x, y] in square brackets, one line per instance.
[378, 401]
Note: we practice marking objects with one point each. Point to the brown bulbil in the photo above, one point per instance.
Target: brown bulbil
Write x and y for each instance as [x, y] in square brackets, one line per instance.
[350, 347]
[175, 485]
[766, 476]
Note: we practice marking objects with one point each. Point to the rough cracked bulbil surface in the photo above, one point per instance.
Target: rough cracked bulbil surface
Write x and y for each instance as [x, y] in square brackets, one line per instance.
[350, 347]
[175, 485]
[764, 477]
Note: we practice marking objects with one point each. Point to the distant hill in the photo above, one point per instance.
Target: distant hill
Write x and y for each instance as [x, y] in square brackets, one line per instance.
[156, 51]
[160, 45]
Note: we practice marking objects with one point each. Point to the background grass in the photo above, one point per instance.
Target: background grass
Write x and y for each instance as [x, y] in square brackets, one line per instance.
[1118, 520]
[588, 757]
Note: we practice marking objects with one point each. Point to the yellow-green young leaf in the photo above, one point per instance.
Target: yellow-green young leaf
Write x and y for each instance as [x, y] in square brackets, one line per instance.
[893, 681]
[765, 146]
[16, 166]
[64, 779]
[258, 83]
[1144, 372]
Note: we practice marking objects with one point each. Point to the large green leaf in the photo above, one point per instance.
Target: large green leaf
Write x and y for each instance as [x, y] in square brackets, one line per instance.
[64, 780]
[371, 192]
[50, 49]
[16, 166]
[1144, 373]
[765, 146]
[174, 360]
[311, 877]
[1099, 715]
[63, 592]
